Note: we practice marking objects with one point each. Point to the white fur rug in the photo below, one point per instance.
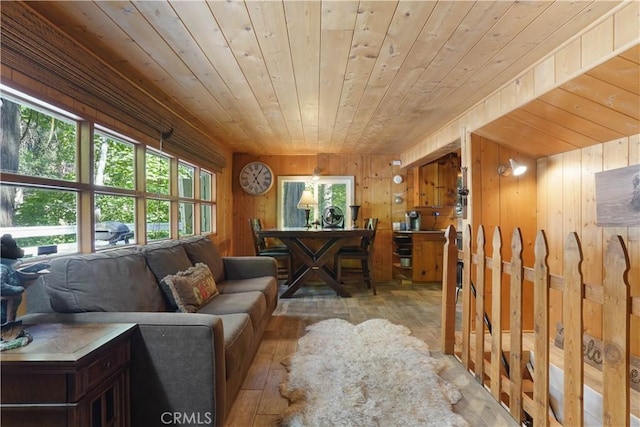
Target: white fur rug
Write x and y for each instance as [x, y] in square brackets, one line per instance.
[372, 374]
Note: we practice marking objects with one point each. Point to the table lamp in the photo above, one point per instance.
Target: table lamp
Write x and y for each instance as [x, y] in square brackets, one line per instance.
[307, 201]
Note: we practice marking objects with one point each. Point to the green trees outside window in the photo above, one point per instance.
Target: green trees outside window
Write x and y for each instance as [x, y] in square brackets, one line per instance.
[42, 192]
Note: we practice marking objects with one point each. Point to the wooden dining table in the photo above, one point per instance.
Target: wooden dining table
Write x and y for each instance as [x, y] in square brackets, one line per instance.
[313, 249]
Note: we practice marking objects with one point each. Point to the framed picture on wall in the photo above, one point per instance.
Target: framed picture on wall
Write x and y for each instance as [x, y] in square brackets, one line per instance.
[618, 197]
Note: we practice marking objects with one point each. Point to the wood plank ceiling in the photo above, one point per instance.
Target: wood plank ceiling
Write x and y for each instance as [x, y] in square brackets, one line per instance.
[598, 106]
[294, 77]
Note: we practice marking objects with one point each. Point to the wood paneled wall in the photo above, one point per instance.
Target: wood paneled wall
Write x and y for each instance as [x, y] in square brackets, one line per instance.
[567, 202]
[557, 195]
[507, 202]
[374, 192]
[223, 237]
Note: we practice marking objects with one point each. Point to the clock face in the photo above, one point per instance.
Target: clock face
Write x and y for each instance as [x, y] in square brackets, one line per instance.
[256, 178]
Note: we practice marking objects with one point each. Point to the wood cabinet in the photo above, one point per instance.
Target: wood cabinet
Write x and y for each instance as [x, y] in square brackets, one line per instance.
[425, 259]
[70, 375]
[436, 183]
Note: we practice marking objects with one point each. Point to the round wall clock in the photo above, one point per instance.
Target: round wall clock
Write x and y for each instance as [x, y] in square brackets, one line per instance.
[256, 178]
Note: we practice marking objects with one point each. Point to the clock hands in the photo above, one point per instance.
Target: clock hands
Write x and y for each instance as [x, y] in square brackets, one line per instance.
[255, 177]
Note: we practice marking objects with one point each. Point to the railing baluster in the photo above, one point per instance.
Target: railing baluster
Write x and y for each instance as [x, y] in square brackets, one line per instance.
[496, 316]
[572, 320]
[515, 326]
[480, 268]
[541, 331]
[449, 292]
[616, 311]
[466, 296]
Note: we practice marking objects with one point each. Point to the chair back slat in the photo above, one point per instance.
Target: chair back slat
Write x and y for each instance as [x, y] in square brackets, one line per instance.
[258, 243]
[367, 242]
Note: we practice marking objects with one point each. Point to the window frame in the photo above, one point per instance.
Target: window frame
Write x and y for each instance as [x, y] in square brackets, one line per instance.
[348, 180]
[86, 190]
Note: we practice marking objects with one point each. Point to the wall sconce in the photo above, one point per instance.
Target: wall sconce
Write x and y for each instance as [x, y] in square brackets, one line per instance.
[398, 198]
[398, 179]
[513, 167]
[316, 174]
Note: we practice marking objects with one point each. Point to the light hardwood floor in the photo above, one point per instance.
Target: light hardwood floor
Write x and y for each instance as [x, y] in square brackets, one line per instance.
[415, 306]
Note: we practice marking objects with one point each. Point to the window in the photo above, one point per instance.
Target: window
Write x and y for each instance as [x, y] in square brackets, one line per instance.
[37, 143]
[186, 187]
[113, 162]
[205, 185]
[157, 173]
[207, 208]
[44, 199]
[185, 219]
[158, 219]
[43, 221]
[205, 218]
[185, 180]
[329, 191]
[115, 220]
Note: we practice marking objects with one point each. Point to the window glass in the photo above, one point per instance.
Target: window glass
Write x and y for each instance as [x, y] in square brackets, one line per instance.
[205, 185]
[186, 174]
[36, 143]
[158, 212]
[113, 162]
[157, 173]
[115, 220]
[185, 220]
[41, 221]
[329, 192]
[205, 218]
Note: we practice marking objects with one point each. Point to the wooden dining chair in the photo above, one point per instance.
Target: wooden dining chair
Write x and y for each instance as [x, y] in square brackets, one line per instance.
[281, 253]
[363, 253]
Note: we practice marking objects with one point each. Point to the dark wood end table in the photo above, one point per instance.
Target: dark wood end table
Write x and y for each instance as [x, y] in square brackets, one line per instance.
[70, 375]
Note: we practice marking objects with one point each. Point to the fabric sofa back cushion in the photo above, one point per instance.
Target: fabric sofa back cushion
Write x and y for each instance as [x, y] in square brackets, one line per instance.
[166, 258]
[202, 249]
[113, 281]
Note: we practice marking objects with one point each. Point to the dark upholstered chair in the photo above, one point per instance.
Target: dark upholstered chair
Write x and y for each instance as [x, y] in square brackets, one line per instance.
[363, 253]
[281, 254]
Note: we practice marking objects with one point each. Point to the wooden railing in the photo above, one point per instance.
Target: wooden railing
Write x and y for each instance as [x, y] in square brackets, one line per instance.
[529, 397]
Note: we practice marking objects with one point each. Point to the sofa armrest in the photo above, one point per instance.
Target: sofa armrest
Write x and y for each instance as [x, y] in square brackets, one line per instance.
[247, 267]
[177, 362]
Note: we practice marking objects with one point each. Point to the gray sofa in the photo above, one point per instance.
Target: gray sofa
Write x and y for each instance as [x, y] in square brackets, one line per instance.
[190, 363]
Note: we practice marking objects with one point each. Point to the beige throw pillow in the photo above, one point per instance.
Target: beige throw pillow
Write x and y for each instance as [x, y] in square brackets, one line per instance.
[192, 288]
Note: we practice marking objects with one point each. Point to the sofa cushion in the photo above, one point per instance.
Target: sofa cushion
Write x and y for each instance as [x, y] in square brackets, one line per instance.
[252, 303]
[166, 258]
[115, 280]
[238, 339]
[202, 249]
[265, 284]
[190, 289]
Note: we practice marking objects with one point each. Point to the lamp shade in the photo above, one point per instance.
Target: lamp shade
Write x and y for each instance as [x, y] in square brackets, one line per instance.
[307, 200]
[517, 168]
[513, 167]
